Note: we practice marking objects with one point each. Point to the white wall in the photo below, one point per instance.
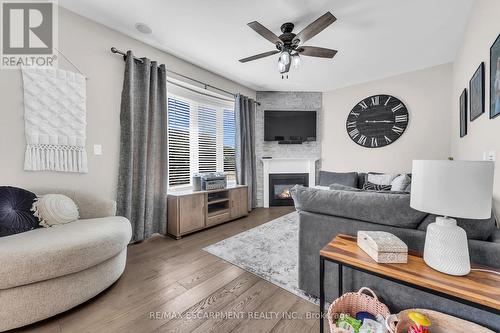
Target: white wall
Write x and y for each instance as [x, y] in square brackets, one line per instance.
[483, 133]
[87, 44]
[426, 94]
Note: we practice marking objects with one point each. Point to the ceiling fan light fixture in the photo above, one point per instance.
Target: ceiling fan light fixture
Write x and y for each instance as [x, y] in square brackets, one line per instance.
[281, 66]
[285, 58]
[296, 61]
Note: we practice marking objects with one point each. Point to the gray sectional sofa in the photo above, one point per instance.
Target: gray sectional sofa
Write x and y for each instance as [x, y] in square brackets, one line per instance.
[325, 213]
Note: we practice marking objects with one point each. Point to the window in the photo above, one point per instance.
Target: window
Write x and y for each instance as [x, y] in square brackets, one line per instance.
[201, 138]
[178, 142]
[229, 142]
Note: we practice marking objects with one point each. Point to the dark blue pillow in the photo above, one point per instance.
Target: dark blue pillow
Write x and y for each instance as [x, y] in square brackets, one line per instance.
[15, 211]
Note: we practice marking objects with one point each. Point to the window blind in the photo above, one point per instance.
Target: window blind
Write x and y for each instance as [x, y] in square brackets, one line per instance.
[178, 142]
[229, 140]
[201, 139]
[207, 139]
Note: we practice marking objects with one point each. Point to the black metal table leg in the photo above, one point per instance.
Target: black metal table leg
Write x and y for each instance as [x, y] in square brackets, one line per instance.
[341, 282]
[321, 292]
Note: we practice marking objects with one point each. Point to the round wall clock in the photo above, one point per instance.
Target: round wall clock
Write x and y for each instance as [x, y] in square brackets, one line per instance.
[377, 121]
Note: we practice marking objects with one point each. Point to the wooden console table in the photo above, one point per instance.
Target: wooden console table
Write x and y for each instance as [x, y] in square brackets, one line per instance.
[189, 211]
[478, 289]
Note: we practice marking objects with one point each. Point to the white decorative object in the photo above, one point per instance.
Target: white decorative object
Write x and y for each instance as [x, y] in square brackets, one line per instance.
[383, 247]
[451, 188]
[54, 209]
[400, 183]
[55, 120]
[287, 165]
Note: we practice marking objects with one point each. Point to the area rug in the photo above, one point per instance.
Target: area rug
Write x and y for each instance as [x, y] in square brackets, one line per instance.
[270, 251]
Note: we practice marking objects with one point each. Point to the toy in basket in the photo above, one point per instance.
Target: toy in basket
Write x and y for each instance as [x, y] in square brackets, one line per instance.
[438, 322]
[357, 313]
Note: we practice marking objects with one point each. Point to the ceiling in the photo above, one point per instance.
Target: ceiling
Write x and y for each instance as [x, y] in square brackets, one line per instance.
[375, 38]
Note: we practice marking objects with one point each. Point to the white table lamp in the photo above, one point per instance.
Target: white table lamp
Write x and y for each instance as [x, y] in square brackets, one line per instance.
[451, 188]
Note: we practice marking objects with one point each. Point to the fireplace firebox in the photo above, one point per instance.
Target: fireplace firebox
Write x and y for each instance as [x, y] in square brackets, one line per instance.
[280, 185]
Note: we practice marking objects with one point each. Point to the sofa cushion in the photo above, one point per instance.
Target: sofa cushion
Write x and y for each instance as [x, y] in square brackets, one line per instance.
[362, 178]
[382, 208]
[326, 178]
[380, 179]
[46, 253]
[475, 229]
[400, 183]
[15, 211]
[340, 187]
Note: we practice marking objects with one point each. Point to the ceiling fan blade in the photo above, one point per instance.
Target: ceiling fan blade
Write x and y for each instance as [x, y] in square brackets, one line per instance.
[264, 32]
[315, 28]
[314, 51]
[258, 56]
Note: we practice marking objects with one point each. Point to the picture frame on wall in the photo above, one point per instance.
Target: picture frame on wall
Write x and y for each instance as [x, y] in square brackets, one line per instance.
[495, 79]
[476, 93]
[463, 113]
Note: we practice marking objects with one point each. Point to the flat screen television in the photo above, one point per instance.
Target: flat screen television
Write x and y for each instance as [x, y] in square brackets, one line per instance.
[290, 126]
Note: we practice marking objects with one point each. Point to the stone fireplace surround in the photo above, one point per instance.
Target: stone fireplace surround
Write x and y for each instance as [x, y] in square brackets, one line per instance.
[285, 101]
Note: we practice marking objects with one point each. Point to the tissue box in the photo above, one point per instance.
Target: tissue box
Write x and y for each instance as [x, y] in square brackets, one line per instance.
[383, 247]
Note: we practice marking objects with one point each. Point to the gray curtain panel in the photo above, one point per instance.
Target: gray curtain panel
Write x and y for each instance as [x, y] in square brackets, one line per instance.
[143, 170]
[245, 146]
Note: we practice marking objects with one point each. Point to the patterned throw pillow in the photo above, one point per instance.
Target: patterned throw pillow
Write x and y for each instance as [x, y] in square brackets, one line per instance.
[367, 186]
[15, 213]
[54, 209]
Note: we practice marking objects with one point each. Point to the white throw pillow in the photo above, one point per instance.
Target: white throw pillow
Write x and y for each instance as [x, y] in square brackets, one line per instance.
[400, 183]
[54, 209]
[383, 179]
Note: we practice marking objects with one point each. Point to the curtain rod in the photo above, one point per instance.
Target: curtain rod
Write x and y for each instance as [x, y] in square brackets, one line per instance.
[205, 85]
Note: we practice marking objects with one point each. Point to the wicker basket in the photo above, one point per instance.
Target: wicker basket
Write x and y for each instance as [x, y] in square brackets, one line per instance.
[440, 323]
[353, 303]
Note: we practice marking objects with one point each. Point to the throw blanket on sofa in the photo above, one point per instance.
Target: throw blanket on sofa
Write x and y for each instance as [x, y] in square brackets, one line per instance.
[55, 120]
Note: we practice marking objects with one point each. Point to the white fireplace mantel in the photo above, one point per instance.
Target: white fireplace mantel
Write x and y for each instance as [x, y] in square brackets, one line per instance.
[287, 165]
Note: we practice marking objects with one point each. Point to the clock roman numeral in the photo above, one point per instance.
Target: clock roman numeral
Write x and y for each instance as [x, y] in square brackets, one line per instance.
[397, 130]
[402, 118]
[387, 101]
[362, 140]
[354, 133]
[355, 114]
[351, 124]
[363, 105]
[374, 142]
[397, 107]
[375, 100]
[387, 139]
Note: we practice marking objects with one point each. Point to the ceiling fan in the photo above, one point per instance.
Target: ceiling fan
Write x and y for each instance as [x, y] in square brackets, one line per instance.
[290, 44]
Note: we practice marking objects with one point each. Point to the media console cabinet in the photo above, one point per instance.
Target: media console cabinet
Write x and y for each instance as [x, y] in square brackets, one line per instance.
[190, 211]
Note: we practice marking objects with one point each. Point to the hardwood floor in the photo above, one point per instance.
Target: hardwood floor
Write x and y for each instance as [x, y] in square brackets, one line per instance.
[175, 286]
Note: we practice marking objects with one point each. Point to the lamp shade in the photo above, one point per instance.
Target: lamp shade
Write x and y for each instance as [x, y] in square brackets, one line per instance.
[453, 188]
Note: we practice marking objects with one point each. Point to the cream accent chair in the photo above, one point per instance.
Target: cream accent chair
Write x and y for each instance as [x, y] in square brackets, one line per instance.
[47, 271]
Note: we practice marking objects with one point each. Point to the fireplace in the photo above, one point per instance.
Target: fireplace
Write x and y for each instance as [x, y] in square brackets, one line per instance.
[280, 185]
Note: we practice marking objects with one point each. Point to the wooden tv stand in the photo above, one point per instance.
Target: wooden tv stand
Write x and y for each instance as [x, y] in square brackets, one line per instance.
[190, 211]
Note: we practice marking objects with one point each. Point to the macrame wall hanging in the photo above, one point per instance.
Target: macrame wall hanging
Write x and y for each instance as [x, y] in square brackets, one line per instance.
[55, 120]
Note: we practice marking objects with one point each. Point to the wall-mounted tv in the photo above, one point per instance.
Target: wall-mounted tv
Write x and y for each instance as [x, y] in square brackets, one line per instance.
[293, 126]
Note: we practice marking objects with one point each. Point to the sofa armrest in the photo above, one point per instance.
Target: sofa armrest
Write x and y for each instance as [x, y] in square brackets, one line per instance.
[381, 208]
